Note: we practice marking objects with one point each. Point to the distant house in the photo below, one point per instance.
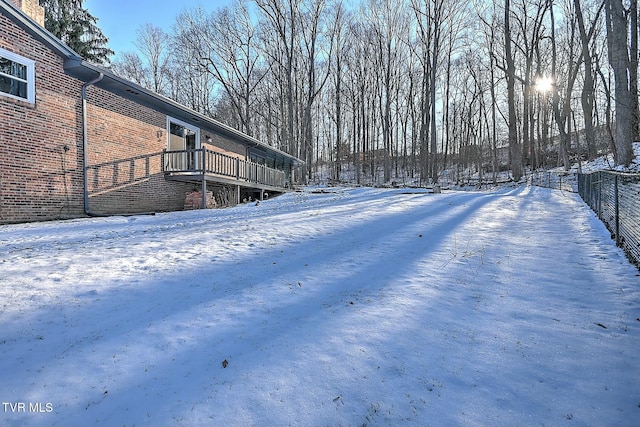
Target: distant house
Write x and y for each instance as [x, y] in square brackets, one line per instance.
[76, 140]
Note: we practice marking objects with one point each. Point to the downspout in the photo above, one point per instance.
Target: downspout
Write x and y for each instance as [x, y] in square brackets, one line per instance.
[85, 143]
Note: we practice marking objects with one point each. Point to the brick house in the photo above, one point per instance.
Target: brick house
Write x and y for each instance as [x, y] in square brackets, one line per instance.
[76, 140]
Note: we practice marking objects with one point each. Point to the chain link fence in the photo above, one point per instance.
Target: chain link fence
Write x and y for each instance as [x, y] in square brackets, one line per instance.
[615, 198]
[557, 180]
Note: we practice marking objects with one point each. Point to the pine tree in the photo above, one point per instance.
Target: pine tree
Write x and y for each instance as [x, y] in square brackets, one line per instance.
[74, 25]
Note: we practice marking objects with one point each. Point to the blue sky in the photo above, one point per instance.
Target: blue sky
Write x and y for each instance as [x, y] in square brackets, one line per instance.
[120, 19]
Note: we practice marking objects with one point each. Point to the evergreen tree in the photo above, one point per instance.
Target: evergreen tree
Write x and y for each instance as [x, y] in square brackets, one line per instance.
[74, 25]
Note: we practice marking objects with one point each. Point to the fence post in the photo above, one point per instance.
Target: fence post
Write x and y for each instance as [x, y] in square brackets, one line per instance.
[599, 178]
[617, 210]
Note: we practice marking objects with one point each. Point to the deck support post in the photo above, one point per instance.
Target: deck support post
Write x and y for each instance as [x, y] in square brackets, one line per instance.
[204, 193]
[204, 181]
[237, 194]
[261, 194]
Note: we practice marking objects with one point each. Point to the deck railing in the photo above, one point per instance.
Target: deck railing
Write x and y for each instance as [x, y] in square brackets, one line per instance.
[200, 160]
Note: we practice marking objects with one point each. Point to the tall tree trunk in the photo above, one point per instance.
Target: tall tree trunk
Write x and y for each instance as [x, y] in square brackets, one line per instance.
[617, 38]
[515, 152]
[433, 147]
[561, 115]
[447, 126]
[587, 97]
[633, 71]
[494, 126]
[386, 120]
[338, 116]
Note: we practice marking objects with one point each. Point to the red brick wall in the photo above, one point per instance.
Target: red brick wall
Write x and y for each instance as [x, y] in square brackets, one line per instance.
[31, 8]
[40, 144]
[125, 157]
[41, 147]
[223, 144]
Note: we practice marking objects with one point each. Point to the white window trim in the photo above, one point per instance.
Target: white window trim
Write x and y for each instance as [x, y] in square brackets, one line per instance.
[31, 76]
[183, 124]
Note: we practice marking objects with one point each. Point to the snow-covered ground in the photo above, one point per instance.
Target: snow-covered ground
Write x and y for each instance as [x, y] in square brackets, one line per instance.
[607, 163]
[345, 307]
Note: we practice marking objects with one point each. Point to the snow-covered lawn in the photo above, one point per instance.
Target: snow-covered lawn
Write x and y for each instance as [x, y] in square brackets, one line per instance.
[354, 307]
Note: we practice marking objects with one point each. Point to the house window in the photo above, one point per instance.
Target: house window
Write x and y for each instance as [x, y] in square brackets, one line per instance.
[17, 76]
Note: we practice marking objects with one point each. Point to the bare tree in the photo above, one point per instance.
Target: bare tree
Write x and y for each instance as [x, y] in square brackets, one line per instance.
[489, 19]
[562, 106]
[423, 52]
[633, 70]
[189, 83]
[388, 22]
[341, 44]
[588, 88]
[402, 87]
[359, 85]
[316, 69]
[129, 65]
[153, 44]
[515, 150]
[280, 20]
[620, 53]
[530, 20]
[149, 66]
[225, 45]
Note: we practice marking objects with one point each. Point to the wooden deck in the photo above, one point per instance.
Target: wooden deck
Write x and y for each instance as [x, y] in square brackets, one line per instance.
[202, 165]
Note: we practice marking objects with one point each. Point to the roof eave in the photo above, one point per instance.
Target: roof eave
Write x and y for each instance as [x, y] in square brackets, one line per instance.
[86, 71]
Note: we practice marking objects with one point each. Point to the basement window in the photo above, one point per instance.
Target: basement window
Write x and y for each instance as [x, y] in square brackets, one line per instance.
[17, 77]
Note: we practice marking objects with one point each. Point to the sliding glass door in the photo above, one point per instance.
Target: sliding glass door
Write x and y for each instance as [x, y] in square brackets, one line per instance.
[184, 138]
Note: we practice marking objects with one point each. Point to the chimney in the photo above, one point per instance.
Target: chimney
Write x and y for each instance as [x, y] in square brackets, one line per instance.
[31, 8]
